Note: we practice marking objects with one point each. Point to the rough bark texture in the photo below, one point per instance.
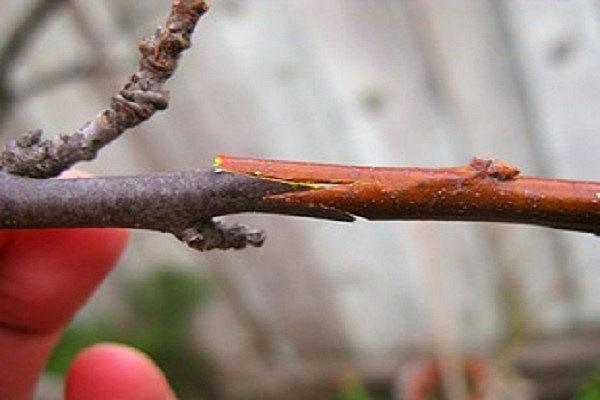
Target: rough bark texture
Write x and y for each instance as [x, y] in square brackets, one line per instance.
[140, 98]
[181, 203]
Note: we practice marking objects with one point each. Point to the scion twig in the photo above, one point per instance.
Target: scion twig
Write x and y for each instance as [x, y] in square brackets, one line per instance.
[484, 190]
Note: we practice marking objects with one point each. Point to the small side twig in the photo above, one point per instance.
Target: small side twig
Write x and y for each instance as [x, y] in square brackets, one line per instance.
[31, 156]
[139, 99]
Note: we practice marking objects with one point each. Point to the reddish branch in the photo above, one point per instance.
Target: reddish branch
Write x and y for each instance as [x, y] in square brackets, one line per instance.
[484, 190]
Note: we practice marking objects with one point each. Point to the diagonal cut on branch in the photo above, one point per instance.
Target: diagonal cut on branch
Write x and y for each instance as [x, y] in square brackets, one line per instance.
[138, 100]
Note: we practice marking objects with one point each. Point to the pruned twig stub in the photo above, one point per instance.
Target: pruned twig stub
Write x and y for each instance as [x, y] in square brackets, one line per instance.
[140, 98]
[208, 234]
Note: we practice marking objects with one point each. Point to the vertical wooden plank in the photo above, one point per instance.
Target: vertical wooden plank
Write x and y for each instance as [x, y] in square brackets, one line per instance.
[557, 45]
[470, 60]
[376, 71]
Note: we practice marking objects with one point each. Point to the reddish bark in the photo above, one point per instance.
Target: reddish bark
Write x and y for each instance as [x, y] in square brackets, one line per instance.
[484, 190]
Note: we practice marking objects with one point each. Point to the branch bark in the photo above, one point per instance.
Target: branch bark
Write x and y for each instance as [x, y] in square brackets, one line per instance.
[181, 203]
[31, 156]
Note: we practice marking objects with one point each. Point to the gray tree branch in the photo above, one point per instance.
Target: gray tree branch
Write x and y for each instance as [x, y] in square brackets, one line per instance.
[181, 203]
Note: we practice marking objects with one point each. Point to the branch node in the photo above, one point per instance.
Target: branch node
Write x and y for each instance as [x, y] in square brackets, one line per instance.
[496, 169]
[208, 234]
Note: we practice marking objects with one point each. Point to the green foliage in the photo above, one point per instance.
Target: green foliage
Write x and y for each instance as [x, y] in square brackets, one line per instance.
[77, 337]
[352, 388]
[591, 388]
[163, 306]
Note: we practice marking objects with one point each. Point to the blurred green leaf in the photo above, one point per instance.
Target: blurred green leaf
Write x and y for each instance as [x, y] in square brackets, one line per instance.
[167, 298]
[590, 389]
[163, 304]
[352, 388]
[76, 338]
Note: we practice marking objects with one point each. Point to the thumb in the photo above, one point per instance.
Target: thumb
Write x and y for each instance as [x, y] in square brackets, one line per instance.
[114, 371]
